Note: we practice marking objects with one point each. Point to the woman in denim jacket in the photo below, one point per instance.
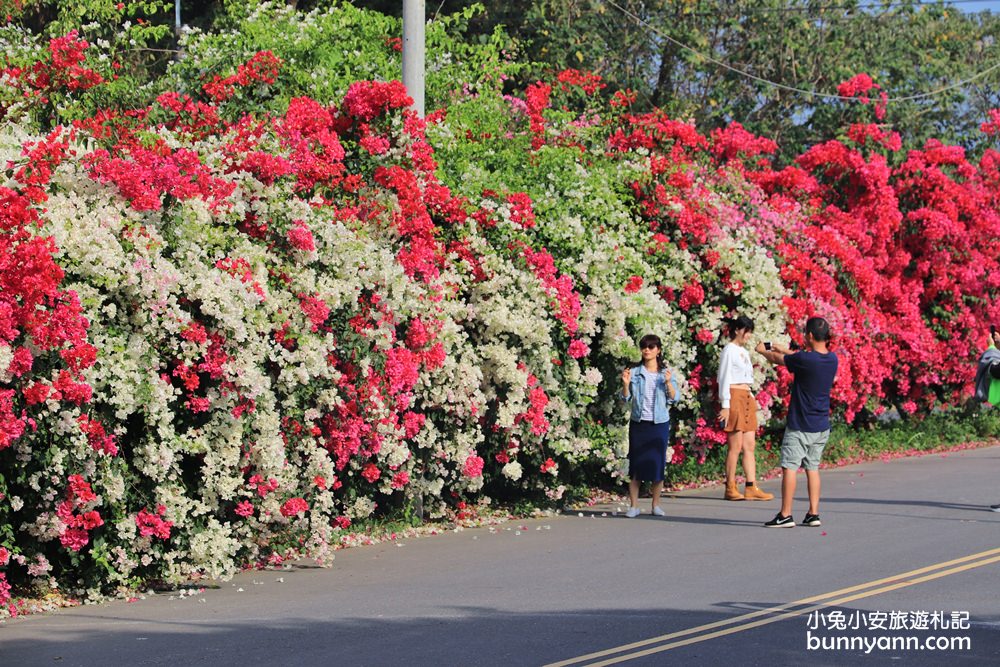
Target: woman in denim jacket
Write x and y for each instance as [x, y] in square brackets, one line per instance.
[649, 387]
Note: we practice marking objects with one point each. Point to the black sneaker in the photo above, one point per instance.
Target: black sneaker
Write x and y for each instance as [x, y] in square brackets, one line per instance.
[995, 508]
[811, 520]
[780, 522]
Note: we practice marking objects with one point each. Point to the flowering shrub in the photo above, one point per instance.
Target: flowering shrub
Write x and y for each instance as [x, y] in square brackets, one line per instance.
[227, 333]
[843, 233]
[44, 354]
[282, 338]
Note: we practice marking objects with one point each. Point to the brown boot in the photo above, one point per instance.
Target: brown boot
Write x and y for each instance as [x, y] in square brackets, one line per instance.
[733, 492]
[754, 493]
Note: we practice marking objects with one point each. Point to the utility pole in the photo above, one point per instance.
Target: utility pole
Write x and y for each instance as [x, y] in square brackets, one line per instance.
[414, 18]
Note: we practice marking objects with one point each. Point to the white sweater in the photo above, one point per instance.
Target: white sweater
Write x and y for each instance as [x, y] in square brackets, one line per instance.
[734, 368]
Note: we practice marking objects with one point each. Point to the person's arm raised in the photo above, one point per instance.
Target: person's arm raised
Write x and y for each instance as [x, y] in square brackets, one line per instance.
[773, 356]
[626, 383]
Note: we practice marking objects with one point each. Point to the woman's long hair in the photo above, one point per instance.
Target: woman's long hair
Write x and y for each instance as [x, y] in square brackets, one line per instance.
[734, 324]
[653, 340]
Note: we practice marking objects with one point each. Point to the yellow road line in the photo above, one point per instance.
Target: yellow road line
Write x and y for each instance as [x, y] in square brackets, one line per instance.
[792, 614]
[775, 613]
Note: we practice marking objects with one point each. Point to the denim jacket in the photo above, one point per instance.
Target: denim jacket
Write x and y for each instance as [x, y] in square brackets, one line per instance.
[637, 389]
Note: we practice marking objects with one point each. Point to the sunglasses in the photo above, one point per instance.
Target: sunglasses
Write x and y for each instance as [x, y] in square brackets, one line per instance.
[649, 346]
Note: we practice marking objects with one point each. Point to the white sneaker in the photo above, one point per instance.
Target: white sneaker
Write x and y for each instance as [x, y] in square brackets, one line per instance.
[658, 511]
[995, 508]
[633, 512]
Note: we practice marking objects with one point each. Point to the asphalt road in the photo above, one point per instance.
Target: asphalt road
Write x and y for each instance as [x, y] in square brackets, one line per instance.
[910, 535]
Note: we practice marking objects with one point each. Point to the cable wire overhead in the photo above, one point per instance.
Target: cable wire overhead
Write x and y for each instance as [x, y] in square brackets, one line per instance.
[793, 89]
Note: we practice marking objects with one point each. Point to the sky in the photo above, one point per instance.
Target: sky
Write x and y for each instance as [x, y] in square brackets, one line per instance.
[974, 6]
[979, 6]
[971, 6]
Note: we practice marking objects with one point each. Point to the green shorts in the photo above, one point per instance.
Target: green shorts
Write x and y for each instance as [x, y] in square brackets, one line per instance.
[799, 448]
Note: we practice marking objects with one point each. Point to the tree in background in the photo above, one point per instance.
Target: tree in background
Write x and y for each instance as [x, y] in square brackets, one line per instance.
[910, 47]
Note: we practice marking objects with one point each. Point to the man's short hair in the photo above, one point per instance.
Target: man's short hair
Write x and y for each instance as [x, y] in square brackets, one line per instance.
[818, 328]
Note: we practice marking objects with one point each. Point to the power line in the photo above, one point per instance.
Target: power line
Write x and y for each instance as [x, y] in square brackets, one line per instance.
[793, 89]
[830, 15]
[856, 7]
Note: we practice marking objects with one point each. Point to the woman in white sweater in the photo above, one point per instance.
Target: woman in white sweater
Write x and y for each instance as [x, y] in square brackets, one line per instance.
[739, 409]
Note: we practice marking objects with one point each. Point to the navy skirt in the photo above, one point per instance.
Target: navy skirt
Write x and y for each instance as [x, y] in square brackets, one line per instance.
[647, 450]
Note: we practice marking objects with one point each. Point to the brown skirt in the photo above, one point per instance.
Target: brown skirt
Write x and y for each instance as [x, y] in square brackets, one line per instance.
[742, 411]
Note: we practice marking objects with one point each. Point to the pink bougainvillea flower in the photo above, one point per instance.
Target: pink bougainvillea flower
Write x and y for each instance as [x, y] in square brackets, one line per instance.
[578, 349]
[154, 525]
[473, 466]
[294, 506]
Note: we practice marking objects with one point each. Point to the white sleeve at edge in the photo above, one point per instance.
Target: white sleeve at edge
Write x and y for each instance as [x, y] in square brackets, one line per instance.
[725, 373]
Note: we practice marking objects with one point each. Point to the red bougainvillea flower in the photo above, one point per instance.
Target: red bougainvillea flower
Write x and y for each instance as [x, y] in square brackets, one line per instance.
[154, 525]
[367, 99]
[633, 285]
[538, 97]
[263, 67]
[300, 237]
[589, 82]
[578, 349]
[294, 506]
[371, 472]
[473, 466]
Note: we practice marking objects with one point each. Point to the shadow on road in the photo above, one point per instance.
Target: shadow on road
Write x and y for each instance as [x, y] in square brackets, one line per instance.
[646, 516]
[465, 635]
[915, 503]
